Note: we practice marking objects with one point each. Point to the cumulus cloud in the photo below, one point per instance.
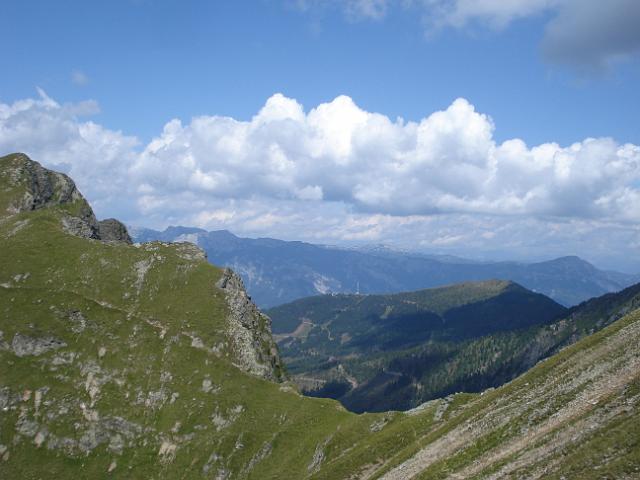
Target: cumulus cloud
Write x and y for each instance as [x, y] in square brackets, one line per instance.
[448, 162]
[338, 173]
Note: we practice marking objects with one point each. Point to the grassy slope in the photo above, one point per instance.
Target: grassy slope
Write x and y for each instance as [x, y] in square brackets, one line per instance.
[575, 414]
[176, 300]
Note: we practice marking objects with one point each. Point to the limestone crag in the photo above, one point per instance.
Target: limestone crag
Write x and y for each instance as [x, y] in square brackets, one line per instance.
[112, 230]
[43, 187]
[37, 187]
[33, 187]
[249, 331]
[190, 251]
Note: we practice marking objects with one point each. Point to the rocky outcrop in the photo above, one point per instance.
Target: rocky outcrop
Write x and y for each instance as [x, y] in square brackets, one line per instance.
[190, 251]
[43, 187]
[23, 345]
[249, 331]
[112, 230]
[33, 187]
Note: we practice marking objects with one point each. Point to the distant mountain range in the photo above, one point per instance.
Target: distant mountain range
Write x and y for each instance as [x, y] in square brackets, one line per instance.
[277, 272]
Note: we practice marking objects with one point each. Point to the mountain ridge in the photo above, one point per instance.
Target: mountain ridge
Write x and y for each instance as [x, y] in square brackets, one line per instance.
[358, 375]
[387, 352]
[277, 271]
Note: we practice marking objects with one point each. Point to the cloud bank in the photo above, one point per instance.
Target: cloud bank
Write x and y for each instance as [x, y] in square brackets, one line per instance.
[337, 152]
[338, 173]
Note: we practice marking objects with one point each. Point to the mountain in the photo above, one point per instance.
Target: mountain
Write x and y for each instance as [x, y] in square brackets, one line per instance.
[382, 352]
[394, 352]
[138, 362]
[278, 272]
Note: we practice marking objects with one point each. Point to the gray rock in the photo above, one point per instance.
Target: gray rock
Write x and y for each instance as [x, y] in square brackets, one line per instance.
[78, 321]
[39, 187]
[112, 230]
[67, 445]
[23, 345]
[190, 251]
[249, 331]
[92, 438]
[7, 399]
[78, 227]
[44, 188]
[27, 427]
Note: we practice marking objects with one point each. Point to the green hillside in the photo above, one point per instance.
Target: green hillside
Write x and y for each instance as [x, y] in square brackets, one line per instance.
[146, 362]
[382, 352]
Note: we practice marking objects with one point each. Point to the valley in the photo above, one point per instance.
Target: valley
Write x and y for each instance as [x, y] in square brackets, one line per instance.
[382, 352]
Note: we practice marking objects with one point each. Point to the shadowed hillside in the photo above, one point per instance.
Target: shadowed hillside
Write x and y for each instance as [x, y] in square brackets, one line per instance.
[381, 352]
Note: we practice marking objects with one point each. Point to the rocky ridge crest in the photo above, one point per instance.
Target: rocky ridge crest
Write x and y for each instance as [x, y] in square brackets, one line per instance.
[249, 331]
[33, 187]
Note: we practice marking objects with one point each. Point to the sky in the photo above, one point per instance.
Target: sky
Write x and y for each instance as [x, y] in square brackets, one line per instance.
[491, 129]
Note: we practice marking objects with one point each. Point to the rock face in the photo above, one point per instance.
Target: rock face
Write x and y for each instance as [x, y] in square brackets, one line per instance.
[43, 187]
[189, 251]
[33, 187]
[112, 230]
[249, 331]
[24, 345]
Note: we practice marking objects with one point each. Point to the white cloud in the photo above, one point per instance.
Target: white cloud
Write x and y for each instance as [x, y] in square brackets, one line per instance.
[587, 34]
[79, 78]
[446, 163]
[375, 9]
[495, 13]
[338, 173]
[96, 157]
[593, 34]
[353, 9]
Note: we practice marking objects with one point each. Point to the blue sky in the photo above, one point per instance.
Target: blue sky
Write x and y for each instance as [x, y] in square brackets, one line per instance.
[149, 61]
[135, 91]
